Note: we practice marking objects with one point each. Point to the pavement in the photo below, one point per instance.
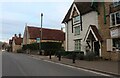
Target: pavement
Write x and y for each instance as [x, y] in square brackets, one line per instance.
[107, 67]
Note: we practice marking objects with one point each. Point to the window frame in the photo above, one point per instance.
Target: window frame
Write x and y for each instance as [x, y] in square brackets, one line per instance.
[77, 44]
[116, 3]
[114, 45]
[111, 22]
[76, 33]
[78, 21]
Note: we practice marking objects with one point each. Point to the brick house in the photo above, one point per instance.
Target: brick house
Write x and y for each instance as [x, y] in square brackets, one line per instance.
[15, 43]
[48, 35]
[89, 29]
[109, 27]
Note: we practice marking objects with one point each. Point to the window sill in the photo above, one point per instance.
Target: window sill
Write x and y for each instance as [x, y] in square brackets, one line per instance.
[77, 35]
[114, 26]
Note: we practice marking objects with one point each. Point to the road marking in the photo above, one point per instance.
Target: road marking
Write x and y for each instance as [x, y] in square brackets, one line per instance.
[73, 67]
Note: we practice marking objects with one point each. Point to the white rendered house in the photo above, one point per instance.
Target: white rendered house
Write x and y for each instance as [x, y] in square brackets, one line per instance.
[81, 23]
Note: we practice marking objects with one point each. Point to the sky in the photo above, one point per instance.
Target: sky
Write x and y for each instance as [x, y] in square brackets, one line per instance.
[14, 14]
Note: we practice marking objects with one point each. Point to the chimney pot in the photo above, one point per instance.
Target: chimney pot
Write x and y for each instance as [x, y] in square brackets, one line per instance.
[15, 35]
[19, 35]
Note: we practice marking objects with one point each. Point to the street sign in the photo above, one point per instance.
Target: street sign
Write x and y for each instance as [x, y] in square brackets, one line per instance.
[38, 40]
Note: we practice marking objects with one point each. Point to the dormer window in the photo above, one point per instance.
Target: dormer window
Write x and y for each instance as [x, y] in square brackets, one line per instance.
[76, 19]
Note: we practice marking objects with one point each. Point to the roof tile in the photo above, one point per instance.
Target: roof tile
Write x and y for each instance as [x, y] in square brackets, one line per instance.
[47, 34]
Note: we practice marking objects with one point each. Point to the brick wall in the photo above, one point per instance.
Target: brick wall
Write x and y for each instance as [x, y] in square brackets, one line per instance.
[104, 28]
[105, 31]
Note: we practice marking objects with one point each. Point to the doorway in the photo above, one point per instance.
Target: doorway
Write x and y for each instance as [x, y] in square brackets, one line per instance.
[96, 48]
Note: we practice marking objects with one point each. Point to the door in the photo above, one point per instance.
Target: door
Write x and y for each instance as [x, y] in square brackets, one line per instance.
[96, 48]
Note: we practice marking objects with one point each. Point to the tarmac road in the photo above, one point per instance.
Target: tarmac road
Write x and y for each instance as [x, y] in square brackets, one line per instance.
[14, 64]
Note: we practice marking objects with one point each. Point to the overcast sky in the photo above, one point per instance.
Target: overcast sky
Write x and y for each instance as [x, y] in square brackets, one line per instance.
[14, 14]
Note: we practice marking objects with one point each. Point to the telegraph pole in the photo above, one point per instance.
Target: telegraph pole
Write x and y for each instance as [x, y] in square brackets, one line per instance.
[41, 34]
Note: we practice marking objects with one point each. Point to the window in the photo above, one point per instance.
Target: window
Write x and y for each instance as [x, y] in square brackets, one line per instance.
[77, 45]
[77, 30]
[116, 3]
[115, 18]
[118, 18]
[116, 43]
[76, 19]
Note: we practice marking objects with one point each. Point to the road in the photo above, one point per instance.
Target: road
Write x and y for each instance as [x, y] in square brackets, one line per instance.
[14, 64]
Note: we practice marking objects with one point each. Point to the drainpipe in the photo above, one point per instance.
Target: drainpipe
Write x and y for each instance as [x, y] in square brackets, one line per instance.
[66, 26]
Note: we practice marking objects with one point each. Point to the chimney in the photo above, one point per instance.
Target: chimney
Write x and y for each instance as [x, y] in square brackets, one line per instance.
[15, 35]
[62, 29]
[19, 35]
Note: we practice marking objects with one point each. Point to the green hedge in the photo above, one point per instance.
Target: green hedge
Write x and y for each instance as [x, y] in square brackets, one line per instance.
[33, 46]
[48, 47]
[69, 54]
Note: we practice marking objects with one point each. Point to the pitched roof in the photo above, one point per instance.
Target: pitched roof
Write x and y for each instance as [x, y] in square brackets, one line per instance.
[95, 31]
[83, 7]
[47, 34]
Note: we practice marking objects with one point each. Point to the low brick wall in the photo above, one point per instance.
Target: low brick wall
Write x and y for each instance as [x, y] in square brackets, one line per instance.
[115, 56]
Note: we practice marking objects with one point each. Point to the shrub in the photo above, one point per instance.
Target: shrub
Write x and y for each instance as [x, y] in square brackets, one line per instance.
[69, 56]
[90, 56]
[80, 56]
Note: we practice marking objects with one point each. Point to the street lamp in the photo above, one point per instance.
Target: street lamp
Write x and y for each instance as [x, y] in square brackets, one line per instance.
[41, 34]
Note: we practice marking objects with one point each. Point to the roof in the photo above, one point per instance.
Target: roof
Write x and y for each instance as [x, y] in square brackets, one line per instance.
[95, 31]
[83, 7]
[47, 34]
[18, 40]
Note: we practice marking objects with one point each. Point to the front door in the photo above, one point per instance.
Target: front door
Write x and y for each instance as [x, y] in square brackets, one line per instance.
[96, 48]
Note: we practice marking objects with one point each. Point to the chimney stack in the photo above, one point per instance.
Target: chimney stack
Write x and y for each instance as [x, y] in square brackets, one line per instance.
[15, 35]
[19, 35]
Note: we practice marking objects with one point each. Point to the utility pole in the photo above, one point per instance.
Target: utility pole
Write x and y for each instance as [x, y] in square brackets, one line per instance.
[41, 34]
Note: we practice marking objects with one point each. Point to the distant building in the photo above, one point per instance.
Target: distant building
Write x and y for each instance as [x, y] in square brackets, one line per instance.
[16, 43]
[48, 35]
[4, 46]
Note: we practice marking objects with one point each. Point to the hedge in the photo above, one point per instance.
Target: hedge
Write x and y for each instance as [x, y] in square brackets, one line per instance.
[46, 46]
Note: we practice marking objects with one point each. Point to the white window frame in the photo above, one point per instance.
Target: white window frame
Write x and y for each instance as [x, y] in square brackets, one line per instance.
[116, 3]
[115, 19]
[79, 21]
[75, 30]
[77, 44]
